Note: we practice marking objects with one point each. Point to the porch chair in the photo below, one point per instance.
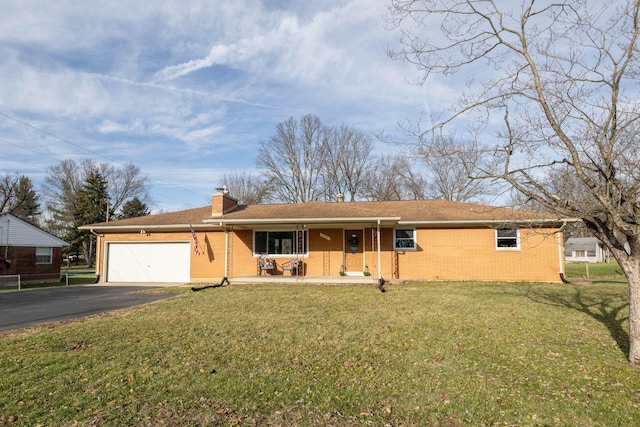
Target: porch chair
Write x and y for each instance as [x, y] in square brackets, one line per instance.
[266, 264]
[293, 265]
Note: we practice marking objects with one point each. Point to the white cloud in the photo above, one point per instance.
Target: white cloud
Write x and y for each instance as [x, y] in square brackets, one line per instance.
[193, 84]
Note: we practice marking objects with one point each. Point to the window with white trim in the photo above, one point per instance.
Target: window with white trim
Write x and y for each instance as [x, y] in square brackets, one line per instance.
[44, 255]
[280, 242]
[507, 238]
[404, 239]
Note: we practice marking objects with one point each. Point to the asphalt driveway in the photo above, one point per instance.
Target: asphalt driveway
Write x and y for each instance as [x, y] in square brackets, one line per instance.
[33, 307]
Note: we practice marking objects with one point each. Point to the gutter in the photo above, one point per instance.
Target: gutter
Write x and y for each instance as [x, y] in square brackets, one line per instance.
[338, 220]
[221, 223]
[475, 222]
[138, 227]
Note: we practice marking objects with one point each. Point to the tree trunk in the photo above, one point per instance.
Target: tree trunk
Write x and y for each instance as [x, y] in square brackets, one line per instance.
[89, 251]
[631, 267]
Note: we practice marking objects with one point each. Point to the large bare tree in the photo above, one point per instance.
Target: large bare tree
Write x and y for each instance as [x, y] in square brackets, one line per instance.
[293, 158]
[562, 77]
[451, 165]
[65, 180]
[124, 183]
[61, 188]
[391, 177]
[306, 160]
[348, 157]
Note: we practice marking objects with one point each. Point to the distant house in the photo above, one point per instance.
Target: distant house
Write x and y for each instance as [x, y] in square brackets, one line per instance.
[390, 240]
[585, 249]
[28, 251]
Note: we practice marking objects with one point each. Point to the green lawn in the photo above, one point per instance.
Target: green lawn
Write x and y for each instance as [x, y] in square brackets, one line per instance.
[421, 354]
[597, 272]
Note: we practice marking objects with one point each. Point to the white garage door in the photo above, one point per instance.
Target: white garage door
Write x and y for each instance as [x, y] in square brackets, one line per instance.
[148, 262]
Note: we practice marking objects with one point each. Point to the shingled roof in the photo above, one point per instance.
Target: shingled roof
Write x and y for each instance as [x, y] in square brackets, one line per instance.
[426, 212]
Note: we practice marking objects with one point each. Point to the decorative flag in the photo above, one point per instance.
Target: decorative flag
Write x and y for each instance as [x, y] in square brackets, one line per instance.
[196, 246]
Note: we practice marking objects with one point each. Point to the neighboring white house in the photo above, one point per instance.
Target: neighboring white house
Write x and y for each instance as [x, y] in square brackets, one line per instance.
[585, 249]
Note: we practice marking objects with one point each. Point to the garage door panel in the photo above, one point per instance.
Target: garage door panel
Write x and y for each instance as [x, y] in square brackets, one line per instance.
[148, 262]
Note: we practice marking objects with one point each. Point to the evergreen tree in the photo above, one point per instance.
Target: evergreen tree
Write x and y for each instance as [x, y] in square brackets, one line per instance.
[27, 204]
[91, 207]
[134, 208]
[18, 197]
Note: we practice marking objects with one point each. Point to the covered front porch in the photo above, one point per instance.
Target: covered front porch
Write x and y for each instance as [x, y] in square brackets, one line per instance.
[344, 280]
[308, 251]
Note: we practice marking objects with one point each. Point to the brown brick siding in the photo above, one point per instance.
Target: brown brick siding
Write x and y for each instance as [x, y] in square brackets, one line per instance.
[23, 262]
[441, 254]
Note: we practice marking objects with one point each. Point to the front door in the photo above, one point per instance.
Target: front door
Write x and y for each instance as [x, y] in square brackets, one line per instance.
[353, 251]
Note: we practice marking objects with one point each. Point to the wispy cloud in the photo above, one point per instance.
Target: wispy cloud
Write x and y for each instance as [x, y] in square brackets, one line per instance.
[191, 86]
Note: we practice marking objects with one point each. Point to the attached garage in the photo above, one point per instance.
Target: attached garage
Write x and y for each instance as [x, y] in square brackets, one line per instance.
[148, 262]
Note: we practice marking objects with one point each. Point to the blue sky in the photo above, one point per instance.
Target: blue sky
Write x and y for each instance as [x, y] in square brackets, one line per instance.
[186, 89]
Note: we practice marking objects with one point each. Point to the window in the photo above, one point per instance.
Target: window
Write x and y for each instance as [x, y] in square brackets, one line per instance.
[44, 255]
[404, 239]
[279, 242]
[581, 254]
[508, 238]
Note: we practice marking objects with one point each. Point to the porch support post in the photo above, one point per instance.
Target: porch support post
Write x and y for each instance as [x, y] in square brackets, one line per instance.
[378, 239]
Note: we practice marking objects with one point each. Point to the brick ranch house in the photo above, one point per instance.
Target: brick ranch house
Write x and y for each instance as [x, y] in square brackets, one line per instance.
[392, 240]
[28, 251]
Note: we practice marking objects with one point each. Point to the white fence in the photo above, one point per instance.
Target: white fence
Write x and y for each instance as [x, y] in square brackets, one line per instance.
[10, 281]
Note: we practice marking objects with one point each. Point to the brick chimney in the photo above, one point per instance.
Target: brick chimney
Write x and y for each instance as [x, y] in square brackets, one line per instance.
[222, 203]
[340, 198]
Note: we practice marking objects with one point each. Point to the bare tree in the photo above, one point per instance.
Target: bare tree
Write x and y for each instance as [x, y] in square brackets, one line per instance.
[65, 180]
[248, 188]
[124, 183]
[391, 177]
[563, 81]
[61, 187]
[452, 165]
[347, 160]
[293, 159]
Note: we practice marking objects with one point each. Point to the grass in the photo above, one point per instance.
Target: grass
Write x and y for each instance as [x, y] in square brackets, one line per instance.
[437, 354]
[596, 272]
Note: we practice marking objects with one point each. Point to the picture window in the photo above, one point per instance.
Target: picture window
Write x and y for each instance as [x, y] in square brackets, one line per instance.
[280, 242]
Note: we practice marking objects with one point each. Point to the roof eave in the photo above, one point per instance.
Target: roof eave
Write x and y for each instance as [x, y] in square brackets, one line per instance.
[503, 221]
[267, 221]
[221, 223]
[140, 227]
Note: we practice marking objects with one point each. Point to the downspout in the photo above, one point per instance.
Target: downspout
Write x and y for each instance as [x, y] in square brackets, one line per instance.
[561, 255]
[98, 252]
[226, 251]
[378, 240]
